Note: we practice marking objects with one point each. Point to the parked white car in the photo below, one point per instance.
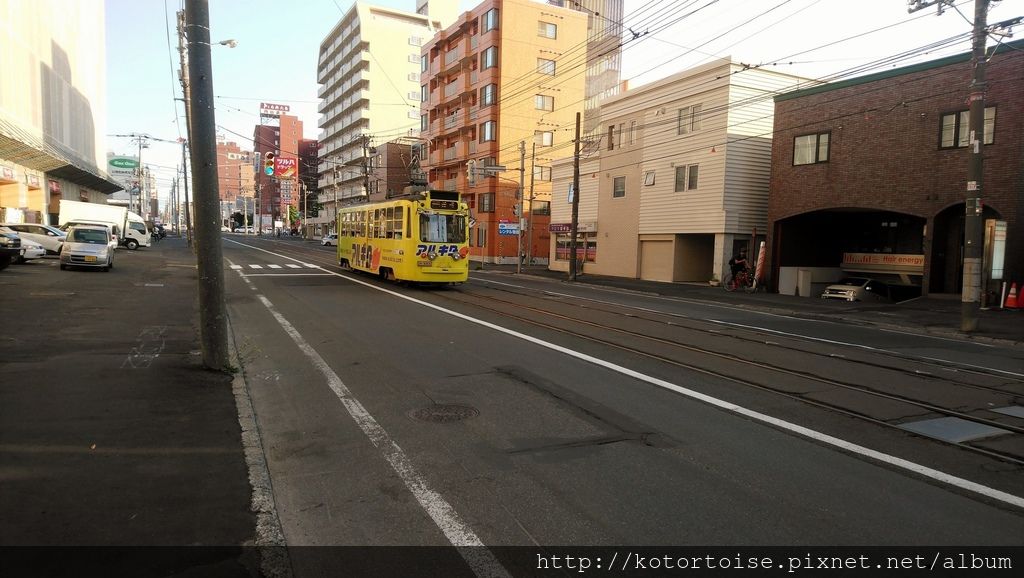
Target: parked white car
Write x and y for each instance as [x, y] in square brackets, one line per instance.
[30, 250]
[51, 238]
[857, 289]
[330, 240]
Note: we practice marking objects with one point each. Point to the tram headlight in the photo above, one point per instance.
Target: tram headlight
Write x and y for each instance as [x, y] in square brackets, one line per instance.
[433, 256]
[454, 256]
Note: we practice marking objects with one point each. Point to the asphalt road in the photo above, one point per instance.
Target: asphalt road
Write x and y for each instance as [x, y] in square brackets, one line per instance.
[399, 416]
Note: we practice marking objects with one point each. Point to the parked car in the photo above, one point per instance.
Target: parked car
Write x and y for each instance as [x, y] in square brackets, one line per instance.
[87, 246]
[51, 238]
[10, 248]
[113, 231]
[857, 289]
[30, 250]
[330, 240]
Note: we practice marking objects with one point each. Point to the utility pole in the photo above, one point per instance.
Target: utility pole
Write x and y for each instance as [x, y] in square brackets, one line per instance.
[529, 230]
[974, 225]
[575, 201]
[184, 178]
[519, 206]
[212, 309]
[366, 165]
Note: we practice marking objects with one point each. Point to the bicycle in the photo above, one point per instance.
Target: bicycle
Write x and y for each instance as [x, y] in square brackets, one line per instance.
[743, 278]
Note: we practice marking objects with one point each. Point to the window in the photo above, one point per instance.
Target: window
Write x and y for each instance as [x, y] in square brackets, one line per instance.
[489, 95]
[486, 202]
[414, 58]
[648, 178]
[611, 137]
[956, 132]
[810, 149]
[686, 178]
[424, 123]
[417, 96]
[547, 30]
[490, 19]
[424, 63]
[542, 102]
[543, 138]
[541, 208]
[488, 131]
[619, 187]
[415, 41]
[442, 228]
[542, 173]
[545, 66]
[689, 119]
[424, 93]
[632, 132]
[618, 142]
[489, 57]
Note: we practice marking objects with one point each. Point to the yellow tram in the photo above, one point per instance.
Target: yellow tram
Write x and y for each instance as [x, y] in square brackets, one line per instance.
[421, 238]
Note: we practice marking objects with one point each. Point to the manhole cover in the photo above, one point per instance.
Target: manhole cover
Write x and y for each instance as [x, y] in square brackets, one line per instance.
[444, 413]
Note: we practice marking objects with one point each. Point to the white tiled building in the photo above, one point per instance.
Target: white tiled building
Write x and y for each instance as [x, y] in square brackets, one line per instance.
[369, 76]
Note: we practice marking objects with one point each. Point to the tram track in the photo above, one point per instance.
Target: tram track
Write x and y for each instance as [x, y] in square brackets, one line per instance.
[717, 326]
[737, 376]
[496, 305]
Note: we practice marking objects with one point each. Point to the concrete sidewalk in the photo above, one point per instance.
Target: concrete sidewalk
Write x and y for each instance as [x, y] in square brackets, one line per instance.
[112, 431]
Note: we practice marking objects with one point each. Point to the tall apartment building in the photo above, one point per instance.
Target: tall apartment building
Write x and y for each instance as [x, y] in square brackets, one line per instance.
[604, 57]
[368, 71]
[497, 82]
[52, 108]
[276, 194]
[308, 149]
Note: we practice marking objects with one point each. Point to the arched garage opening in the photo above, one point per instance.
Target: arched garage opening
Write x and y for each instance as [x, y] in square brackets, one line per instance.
[812, 250]
[946, 269]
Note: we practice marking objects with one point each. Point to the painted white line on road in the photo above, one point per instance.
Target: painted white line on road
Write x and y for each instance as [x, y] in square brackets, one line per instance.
[236, 267]
[253, 266]
[293, 266]
[815, 435]
[287, 275]
[274, 266]
[480, 559]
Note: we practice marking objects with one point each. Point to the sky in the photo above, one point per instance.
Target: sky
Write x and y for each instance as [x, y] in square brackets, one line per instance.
[278, 44]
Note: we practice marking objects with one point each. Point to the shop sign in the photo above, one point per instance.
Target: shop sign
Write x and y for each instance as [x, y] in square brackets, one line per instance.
[33, 181]
[54, 187]
[566, 228]
[124, 162]
[284, 167]
[506, 228]
[7, 174]
[906, 263]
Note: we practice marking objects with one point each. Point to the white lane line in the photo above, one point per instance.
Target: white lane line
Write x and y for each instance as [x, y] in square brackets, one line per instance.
[820, 437]
[256, 266]
[293, 266]
[236, 267]
[287, 275]
[274, 266]
[310, 265]
[479, 558]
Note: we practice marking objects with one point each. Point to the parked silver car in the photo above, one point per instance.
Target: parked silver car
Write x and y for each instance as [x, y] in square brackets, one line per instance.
[87, 246]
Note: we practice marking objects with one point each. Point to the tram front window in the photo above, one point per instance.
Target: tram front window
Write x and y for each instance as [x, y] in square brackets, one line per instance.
[442, 228]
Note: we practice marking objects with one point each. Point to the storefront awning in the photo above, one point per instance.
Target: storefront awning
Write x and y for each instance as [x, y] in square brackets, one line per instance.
[26, 149]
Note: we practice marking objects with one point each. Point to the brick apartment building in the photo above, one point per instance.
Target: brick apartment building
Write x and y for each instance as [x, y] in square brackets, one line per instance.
[869, 175]
[275, 194]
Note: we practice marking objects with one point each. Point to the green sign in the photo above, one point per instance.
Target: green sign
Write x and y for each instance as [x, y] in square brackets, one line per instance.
[124, 163]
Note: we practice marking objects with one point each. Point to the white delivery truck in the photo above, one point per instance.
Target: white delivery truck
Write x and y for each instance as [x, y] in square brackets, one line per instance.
[129, 227]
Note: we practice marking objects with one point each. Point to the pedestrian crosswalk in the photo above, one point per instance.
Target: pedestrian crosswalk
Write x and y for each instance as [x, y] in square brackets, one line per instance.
[258, 266]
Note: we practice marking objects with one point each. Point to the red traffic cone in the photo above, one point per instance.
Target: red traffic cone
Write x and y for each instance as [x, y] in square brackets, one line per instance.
[1011, 299]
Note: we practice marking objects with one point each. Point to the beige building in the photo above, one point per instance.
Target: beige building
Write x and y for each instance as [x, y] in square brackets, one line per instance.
[52, 107]
[681, 179]
[369, 76]
[502, 82]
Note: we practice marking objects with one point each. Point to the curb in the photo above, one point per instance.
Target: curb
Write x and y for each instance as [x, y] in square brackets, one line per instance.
[270, 541]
